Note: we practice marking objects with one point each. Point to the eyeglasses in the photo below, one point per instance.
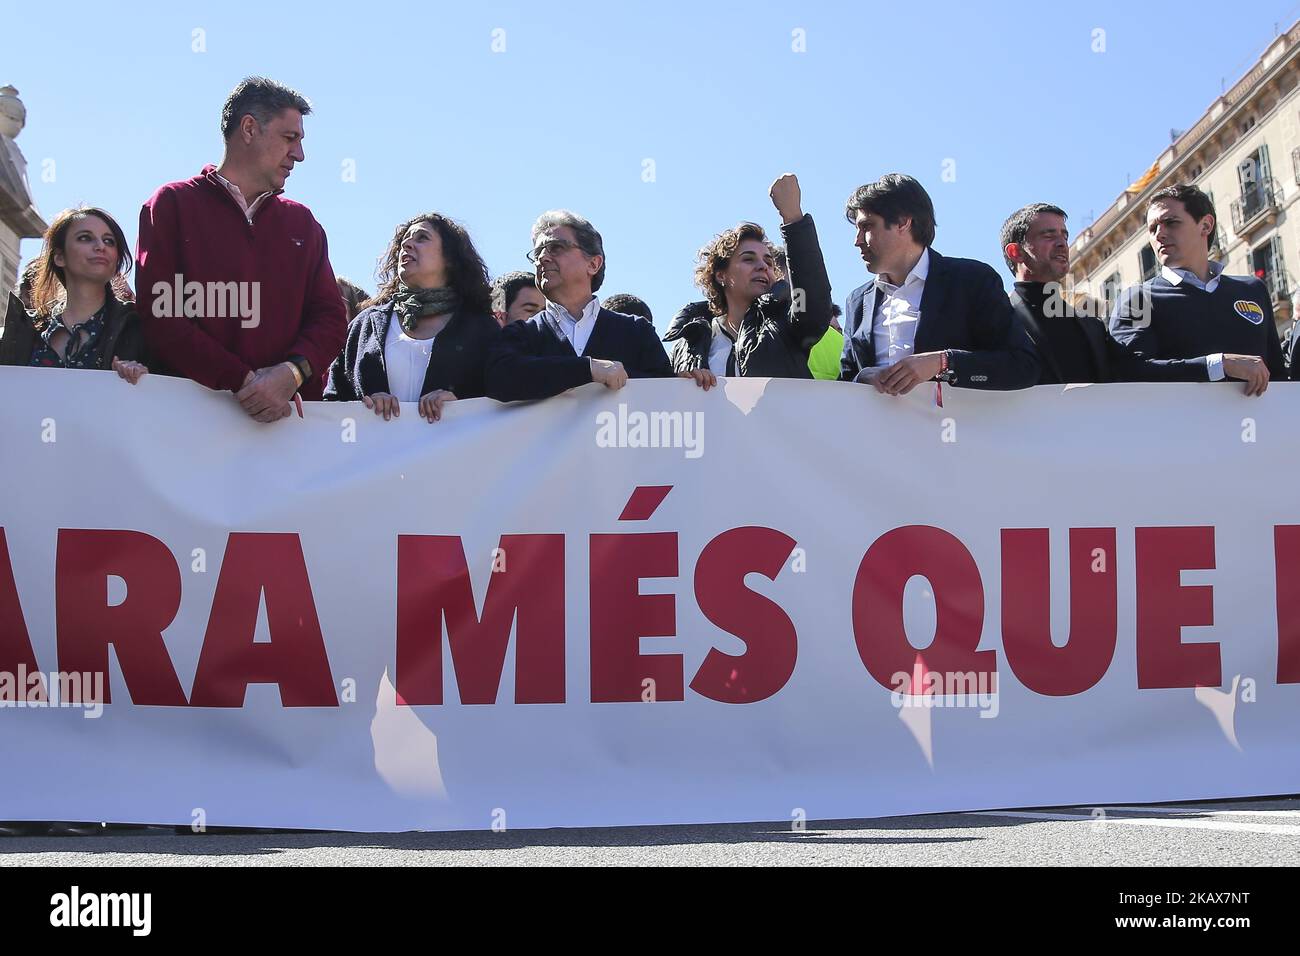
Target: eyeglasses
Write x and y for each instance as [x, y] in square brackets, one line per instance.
[553, 248]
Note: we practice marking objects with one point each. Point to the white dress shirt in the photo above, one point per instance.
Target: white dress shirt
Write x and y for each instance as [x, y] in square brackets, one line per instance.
[578, 330]
[249, 208]
[406, 360]
[897, 311]
[1213, 363]
[719, 352]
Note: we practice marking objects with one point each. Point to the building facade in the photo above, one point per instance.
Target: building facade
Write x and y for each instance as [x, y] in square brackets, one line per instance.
[1245, 153]
[19, 219]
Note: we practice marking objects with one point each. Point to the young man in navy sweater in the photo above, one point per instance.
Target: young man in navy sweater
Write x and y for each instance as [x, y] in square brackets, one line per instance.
[1191, 309]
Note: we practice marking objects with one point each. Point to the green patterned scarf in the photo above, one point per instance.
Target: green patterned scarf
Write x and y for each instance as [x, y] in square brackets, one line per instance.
[413, 304]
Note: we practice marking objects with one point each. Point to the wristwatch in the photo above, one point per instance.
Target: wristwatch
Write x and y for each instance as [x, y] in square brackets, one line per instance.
[303, 367]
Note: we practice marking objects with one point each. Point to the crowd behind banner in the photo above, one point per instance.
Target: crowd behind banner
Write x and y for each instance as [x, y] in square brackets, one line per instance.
[234, 290]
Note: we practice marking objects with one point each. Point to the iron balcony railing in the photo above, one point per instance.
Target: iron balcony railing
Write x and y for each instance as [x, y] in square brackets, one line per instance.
[1256, 199]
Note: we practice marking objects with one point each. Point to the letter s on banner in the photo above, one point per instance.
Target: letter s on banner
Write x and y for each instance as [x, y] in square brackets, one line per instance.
[1039, 664]
[878, 626]
[773, 644]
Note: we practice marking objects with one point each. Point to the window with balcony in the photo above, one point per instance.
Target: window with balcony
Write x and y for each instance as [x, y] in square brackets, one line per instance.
[1260, 192]
[1267, 264]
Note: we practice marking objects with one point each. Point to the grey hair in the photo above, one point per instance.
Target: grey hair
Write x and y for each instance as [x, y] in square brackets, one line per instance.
[589, 240]
[261, 98]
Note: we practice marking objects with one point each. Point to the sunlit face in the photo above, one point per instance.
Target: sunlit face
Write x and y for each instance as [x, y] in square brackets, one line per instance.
[750, 272]
[527, 303]
[882, 245]
[1045, 253]
[90, 250]
[276, 147]
[562, 267]
[1177, 239]
[420, 263]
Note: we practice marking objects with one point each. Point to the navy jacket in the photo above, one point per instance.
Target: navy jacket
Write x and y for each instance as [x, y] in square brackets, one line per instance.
[456, 362]
[1185, 322]
[965, 310]
[531, 360]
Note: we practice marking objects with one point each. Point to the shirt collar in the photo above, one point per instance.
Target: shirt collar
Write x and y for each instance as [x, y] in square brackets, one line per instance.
[562, 314]
[1178, 276]
[919, 272]
[248, 207]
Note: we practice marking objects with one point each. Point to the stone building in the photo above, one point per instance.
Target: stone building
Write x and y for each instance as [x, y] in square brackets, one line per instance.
[1245, 152]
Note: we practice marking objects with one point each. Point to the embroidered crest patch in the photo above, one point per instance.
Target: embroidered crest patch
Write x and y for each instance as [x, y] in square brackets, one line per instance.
[1250, 311]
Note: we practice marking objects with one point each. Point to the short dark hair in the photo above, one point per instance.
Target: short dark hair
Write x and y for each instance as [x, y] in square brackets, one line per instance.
[506, 288]
[261, 98]
[1016, 228]
[627, 304]
[1194, 200]
[891, 197]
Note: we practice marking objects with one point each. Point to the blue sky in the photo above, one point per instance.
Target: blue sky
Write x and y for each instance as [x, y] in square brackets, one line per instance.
[715, 94]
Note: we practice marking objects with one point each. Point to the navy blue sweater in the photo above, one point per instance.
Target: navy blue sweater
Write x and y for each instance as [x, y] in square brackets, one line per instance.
[1160, 320]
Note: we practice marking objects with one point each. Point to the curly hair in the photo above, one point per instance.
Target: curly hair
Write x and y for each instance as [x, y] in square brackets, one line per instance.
[716, 256]
[466, 272]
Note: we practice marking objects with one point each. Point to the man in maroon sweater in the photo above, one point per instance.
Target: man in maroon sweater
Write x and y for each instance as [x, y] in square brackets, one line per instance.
[234, 283]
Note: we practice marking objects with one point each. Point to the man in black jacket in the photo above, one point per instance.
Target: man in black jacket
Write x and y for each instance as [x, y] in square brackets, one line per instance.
[925, 316]
[1074, 346]
[572, 341]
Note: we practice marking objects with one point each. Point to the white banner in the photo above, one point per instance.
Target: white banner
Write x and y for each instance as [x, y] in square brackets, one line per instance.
[652, 606]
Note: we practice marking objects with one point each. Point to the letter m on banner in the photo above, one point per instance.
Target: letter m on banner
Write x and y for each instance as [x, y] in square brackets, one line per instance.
[434, 588]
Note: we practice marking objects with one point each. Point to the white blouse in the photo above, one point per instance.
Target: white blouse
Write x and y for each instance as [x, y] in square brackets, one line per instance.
[407, 361]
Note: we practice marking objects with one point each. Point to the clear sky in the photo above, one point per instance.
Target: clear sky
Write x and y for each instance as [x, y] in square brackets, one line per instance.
[663, 123]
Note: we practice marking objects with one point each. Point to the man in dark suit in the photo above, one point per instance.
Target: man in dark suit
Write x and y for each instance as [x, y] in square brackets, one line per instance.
[925, 316]
[572, 341]
[1073, 344]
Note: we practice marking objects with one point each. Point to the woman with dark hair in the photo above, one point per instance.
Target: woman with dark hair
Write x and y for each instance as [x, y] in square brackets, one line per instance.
[77, 319]
[756, 322]
[425, 335]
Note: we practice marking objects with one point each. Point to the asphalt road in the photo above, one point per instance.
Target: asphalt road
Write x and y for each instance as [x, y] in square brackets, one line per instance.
[1223, 833]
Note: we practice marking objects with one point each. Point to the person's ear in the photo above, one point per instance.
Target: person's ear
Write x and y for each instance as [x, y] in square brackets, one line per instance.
[594, 264]
[1012, 252]
[59, 259]
[248, 128]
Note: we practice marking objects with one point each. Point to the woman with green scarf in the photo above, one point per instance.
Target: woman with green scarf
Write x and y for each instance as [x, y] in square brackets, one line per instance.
[425, 335]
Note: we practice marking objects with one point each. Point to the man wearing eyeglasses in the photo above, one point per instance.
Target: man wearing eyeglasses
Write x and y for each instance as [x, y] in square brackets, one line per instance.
[572, 341]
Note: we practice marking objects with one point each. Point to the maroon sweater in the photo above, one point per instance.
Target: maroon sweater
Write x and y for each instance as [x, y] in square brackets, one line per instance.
[195, 229]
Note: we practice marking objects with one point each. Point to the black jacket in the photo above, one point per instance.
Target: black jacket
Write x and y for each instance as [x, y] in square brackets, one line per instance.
[121, 337]
[774, 337]
[531, 360]
[965, 310]
[456, 361]
[1116, 363]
